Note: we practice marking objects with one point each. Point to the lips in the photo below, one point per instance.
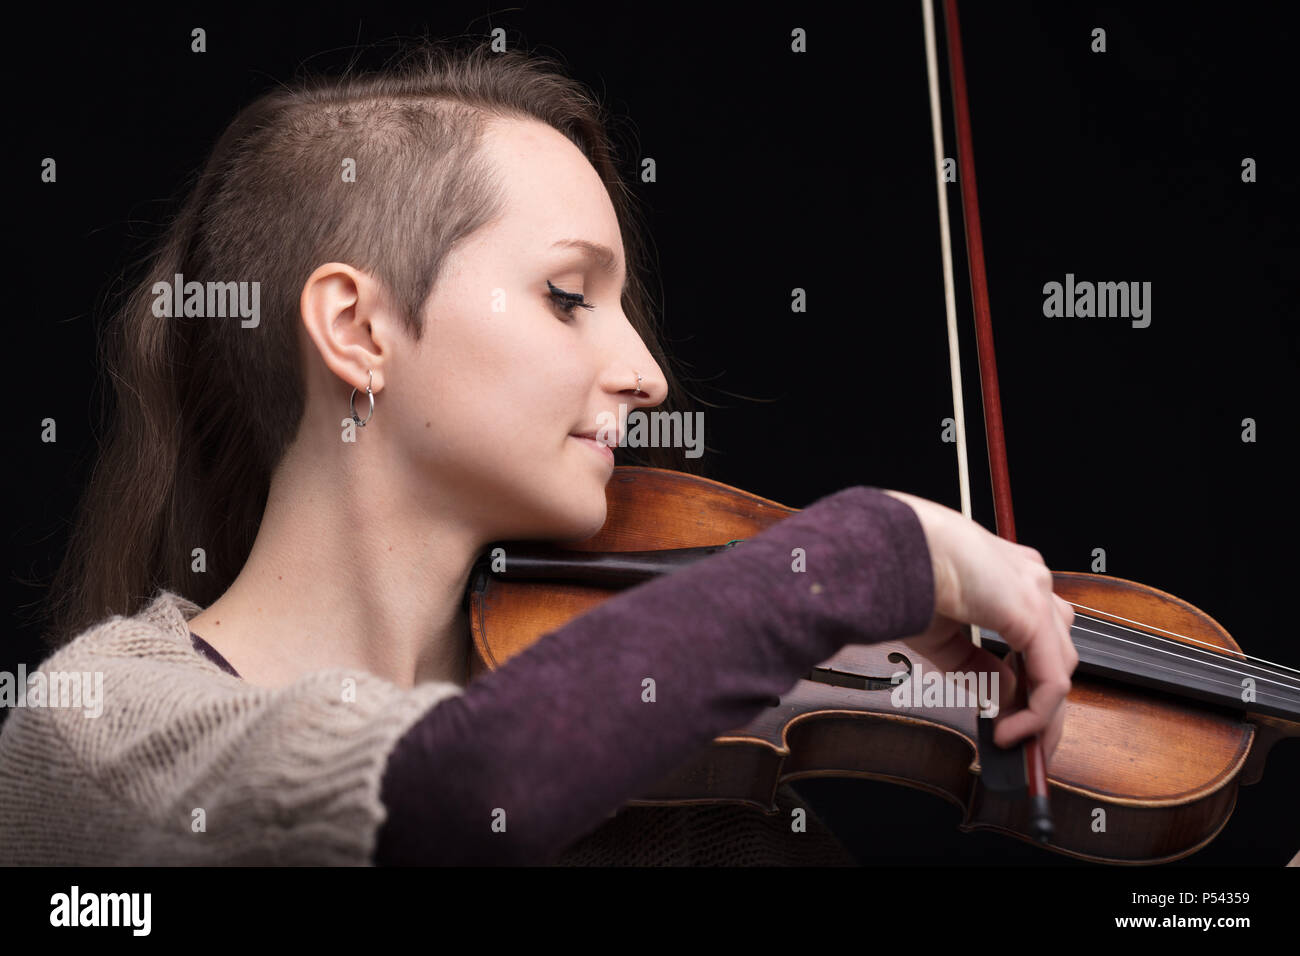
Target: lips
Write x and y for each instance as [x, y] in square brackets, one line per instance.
[591, 435]
[599, 447]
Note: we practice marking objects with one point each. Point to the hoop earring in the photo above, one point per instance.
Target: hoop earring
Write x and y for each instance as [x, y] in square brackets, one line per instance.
[370, 394]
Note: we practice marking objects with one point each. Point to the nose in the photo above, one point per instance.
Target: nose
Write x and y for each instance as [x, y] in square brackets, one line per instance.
[650, 391]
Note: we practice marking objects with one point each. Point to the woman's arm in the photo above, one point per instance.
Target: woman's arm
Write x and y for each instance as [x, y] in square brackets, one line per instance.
[563, 734]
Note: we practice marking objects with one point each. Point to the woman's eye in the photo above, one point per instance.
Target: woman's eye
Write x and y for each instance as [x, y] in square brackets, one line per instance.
[566, 302]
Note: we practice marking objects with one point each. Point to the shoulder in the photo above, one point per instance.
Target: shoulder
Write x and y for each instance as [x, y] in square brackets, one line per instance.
[117, 678]
[161, 729]
[143, 672]
[152, 654]
[157, 638]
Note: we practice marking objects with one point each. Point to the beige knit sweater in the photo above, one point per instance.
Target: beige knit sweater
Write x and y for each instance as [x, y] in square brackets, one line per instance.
[187, 764]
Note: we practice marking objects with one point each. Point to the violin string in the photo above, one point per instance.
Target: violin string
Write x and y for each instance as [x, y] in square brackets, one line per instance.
[1180, 656]
[1173, 670]
[1218, 651]
[1216, 648]
[1234, 664]
[1210, 654]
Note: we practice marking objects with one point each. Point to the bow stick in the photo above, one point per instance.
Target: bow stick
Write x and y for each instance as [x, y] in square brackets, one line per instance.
[1024, 765]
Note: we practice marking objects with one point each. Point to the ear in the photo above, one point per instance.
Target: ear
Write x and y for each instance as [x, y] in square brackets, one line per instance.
[349, 323]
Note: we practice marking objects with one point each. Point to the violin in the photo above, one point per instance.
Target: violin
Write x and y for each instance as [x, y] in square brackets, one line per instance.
[1165, 719]
[1157, 737]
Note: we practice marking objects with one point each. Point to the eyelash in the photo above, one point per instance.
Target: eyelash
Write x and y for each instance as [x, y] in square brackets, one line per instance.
[566, 302]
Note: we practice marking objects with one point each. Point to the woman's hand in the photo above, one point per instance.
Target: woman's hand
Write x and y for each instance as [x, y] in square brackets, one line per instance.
[983, 580]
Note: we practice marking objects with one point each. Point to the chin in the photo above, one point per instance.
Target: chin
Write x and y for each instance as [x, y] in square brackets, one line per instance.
[585, 511]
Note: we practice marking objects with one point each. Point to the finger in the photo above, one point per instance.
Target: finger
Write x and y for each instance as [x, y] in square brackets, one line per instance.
[1071, 656]
[1048, 658]
[1015, 727]
[1049, 681]
[1044, 700]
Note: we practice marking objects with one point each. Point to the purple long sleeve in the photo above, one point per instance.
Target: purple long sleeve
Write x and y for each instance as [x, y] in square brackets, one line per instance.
[559, 737]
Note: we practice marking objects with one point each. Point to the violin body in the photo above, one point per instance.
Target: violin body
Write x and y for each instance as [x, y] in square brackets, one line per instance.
[1139, 776]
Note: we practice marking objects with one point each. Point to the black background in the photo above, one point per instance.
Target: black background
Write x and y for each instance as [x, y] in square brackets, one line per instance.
[778, 171]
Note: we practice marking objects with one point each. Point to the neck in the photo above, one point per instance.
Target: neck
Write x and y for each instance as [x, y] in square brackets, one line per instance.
[1120, 653]
[348, 571]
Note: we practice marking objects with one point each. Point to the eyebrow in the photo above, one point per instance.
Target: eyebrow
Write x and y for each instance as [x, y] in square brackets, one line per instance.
[602, 255]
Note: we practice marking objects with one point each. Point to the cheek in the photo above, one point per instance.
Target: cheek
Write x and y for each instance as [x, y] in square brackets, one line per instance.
[494, 398]
[499, 408]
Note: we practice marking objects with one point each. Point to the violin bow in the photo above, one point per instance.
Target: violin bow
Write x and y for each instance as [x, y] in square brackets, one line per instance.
[1023, 766]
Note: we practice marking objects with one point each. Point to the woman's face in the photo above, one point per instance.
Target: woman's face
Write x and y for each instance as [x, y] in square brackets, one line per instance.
[504, 376]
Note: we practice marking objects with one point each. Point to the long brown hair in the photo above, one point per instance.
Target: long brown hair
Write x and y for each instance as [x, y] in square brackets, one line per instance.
[204, 410]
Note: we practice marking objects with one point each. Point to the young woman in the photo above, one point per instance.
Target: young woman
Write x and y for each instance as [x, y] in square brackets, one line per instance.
[269, 571]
